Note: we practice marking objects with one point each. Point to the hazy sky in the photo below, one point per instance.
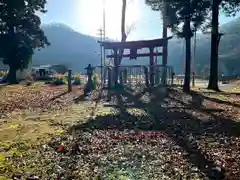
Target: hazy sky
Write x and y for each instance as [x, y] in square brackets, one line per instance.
[85, 16]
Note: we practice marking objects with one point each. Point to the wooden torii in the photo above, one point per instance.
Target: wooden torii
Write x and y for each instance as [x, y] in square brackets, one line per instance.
[133, 46]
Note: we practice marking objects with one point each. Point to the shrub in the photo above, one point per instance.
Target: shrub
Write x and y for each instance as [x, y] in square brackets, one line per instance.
[59, 76]
[59, 79]
[65, 75]
[95, 80]
[3, 74]
[46, 78]
[77, 79]
[58, 82]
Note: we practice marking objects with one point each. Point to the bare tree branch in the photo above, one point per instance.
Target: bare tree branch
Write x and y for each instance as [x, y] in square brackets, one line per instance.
[129, 29]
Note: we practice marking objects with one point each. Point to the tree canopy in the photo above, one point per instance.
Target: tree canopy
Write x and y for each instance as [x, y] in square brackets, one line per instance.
[20, 32]
[183, 18]
[178, 11]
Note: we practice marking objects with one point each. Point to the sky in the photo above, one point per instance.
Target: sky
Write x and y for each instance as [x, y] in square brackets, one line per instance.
[86, 16]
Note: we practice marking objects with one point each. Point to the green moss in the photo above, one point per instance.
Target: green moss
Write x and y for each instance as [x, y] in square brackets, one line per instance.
[15, 153]
[3, 178]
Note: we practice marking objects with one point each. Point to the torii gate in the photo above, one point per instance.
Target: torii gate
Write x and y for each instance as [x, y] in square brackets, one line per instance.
[133, 46]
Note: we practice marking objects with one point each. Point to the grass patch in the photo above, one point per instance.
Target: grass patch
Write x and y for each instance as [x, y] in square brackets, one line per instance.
[33, 115]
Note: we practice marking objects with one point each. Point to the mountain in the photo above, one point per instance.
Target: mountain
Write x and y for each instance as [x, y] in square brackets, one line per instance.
[229, 54]
[67, 47]
[76, 50]
[230, 45]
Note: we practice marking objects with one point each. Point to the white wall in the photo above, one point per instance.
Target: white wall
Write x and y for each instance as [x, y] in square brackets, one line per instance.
[22, 74]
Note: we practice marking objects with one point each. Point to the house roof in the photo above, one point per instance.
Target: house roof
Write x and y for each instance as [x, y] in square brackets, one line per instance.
[41, 66]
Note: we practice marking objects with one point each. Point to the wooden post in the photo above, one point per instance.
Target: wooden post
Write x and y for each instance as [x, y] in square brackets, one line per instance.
[116, 59]
[109, 78]
[151, 63]
[157, 74]
[125, 75]
[121, 76]
[109, 87]
[172, 76]
[69, 80]
[146, 76]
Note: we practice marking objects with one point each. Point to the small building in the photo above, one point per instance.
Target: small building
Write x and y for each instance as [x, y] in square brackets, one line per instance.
[43, 71]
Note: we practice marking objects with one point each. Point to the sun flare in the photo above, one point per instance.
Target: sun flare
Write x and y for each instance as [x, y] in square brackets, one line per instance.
[91, 16]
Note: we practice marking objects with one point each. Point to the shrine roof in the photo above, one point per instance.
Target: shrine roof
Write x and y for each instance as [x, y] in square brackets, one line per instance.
[135, 44]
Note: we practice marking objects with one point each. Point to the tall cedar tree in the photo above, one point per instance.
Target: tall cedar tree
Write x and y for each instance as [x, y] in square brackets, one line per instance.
[230, 7]
[20, 33]
[184, 17]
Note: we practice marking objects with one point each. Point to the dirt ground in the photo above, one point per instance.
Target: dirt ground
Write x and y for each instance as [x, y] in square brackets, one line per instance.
[47, 133]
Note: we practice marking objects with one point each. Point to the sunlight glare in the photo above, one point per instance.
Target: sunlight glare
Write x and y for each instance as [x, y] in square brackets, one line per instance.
[91, 18]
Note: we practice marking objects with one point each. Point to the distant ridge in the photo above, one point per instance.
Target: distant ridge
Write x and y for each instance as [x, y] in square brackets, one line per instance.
[76, 50]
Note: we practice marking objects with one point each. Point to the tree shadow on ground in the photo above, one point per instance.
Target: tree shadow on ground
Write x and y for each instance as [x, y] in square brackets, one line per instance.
[218, 124]
[196, 94]
[79, 99]
[58, 96]
[180, 125]
[223, 92]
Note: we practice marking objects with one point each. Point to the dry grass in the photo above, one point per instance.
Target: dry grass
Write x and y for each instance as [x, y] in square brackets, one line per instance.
[182, 133]
[32, 115]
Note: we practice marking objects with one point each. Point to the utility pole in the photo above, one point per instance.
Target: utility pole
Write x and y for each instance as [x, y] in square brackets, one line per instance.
[104, 38]
[101, 54]
[104, 26]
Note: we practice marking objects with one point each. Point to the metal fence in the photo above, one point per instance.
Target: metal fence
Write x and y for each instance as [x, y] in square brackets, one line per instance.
[136, 75]
[160, 72]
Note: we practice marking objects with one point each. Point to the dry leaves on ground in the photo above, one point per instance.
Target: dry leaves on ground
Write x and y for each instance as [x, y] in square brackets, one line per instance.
[185, 136]
[217, 121]
[35, 98]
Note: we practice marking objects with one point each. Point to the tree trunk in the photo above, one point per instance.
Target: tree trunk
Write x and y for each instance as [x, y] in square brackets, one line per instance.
[213, 78]
[11, 77]
[187, 78]
[124, 37]
[123, 30]
[165, 47]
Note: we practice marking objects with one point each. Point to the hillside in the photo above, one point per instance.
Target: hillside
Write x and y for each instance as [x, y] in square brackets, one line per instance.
[76, 50]
[67, 47]
[229, 53]
[229, 48]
